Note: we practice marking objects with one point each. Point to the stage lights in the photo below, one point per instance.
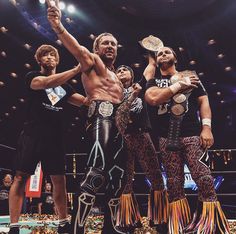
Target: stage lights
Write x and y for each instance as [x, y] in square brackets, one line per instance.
[192, 62]
[92, 36]
[211, 42]
[201, 73]
[136, 65]
[13, 75]
[3, 29]
[28, 66]
[220, 56]
[71, 9]
[228, 69]
[27, 46]
[62, 5]
[3, 54]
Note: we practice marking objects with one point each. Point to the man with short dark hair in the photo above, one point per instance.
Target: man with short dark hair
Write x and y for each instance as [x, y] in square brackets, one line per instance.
[41, 138]
[175, 99]
[46, 202]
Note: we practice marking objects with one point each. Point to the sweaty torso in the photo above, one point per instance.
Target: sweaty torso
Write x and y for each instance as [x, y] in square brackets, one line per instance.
[105, 86]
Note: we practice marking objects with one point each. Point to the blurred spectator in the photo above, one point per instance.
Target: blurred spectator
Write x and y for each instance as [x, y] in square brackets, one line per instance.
[46, 203]
[4, 194]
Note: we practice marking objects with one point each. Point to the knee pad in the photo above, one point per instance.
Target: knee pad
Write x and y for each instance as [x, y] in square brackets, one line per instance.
[93, 181]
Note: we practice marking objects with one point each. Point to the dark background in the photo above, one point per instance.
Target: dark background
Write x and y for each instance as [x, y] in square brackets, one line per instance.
[202, 32]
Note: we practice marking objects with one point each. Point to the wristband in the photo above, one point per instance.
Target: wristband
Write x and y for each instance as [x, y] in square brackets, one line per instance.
[206, 121]
[175, 88]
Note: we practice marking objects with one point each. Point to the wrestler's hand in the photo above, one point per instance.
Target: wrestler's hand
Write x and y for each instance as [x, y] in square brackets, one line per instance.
[189, 83]
[77, 68]
[86, 101]
[206, 137]
[54, 13]
[151, 58]
[136, 90]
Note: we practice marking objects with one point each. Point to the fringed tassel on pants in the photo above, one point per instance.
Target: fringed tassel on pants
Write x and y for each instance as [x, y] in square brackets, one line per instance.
[209, 219]
[128, 214]
[158, 207]
[179, 216]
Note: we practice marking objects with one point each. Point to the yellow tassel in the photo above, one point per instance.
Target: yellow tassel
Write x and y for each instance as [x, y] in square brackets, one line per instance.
[212, 217]
[128, 213]
[179, 216]
[158, 206]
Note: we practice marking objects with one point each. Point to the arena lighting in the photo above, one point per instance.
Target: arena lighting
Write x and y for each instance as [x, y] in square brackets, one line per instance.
[74, 81]
[220, 56]
[71, 9]
[136, 65]
[27, 65]
[13, 2]
[218, 93]
[42, 1]
[211, 42]
[13, 74]
[92, 36]
[3, 29]
[58, 42]
[228, 69]
[3, 54]
[62, 5]
[27, 46]
[192, 62]
[69, 20]
[22, 100]
[201, 74]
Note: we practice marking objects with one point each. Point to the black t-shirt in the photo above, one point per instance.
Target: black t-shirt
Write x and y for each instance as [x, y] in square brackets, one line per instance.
[160, 115]
[45, 107]
[47, 203]
[139, 119]
[4, 203]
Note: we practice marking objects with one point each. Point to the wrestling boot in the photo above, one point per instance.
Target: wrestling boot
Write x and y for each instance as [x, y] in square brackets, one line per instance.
[208, 218]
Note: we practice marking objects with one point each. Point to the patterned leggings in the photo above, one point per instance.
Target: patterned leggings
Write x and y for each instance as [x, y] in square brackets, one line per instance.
[140, 146]
[190, 153]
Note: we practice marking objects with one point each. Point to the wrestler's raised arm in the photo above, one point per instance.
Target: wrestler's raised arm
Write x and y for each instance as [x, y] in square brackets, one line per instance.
[81, 53]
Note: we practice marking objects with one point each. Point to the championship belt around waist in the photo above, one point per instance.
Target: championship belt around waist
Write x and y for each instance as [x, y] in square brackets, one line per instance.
[179, 106]
[102, 108]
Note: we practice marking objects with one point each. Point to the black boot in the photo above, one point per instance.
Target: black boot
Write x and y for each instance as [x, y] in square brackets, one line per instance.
[161, 228]
[14, 230]
[110, 212]
[64, 229]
